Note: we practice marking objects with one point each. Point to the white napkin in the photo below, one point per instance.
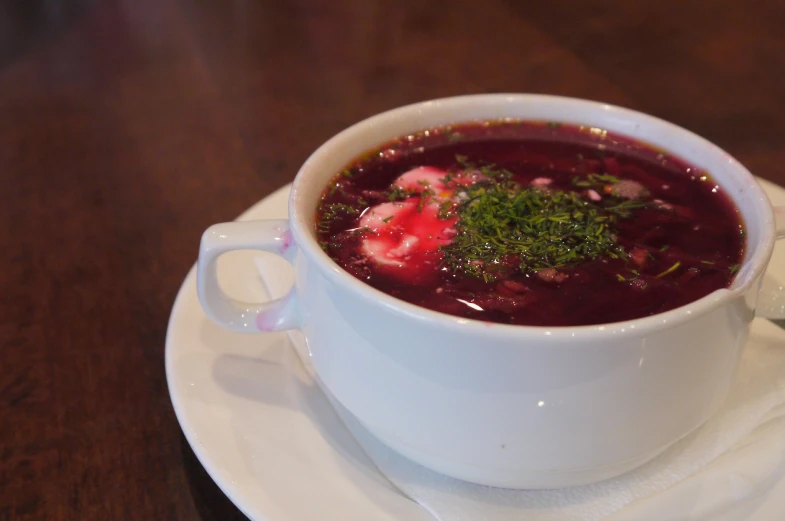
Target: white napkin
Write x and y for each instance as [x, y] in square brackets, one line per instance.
[734, 458]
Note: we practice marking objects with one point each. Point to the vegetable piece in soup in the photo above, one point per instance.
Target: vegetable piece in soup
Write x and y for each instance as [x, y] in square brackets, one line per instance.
[532, 224]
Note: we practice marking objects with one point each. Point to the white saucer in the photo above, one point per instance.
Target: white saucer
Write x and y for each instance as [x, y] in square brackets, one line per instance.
[265, 432]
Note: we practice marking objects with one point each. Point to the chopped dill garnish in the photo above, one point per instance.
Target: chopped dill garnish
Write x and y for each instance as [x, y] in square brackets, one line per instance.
[335, 209]
[488, 170]
[635, 276]
[329, 213]
[669, 270]
[327, 245]
[707, 262]
[503, 225]
[398, 194]
[445, 209]
[733, 269]
[594, 180]
[361, 231]
[425, 196]
[387, 219]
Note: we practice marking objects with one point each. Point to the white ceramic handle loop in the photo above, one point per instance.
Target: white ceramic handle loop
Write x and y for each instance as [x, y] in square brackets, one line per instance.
[771, 299]
[271, 236]
[779, 221]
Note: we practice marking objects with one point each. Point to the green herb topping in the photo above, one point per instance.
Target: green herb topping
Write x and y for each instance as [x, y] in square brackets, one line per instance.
[399, 194]
[332, 212]
[669, 270]
[503, 225]
[597, 181]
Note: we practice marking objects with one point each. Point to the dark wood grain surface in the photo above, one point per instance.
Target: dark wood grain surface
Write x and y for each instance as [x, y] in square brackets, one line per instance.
[128, 126]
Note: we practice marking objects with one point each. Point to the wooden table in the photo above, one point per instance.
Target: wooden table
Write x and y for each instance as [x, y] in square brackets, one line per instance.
[128, 126]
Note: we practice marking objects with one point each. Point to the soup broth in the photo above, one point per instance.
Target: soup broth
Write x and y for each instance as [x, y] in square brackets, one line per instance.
[531, 223]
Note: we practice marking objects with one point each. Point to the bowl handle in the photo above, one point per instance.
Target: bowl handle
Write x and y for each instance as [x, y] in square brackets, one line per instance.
[771, 299]
[271, 236]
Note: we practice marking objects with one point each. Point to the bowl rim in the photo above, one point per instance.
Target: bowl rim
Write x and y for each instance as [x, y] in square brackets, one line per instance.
[300, 222]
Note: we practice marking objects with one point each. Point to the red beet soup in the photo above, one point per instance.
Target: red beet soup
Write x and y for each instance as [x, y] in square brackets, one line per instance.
[531, 223]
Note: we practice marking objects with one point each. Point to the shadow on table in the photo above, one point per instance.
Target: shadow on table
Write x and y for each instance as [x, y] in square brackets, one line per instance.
[211, 503]
[26, 24]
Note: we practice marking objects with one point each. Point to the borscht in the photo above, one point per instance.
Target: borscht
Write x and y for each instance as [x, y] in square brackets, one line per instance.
[531, 223]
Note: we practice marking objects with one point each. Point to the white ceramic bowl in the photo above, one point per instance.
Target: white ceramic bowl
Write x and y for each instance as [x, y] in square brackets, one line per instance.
[508, 406]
